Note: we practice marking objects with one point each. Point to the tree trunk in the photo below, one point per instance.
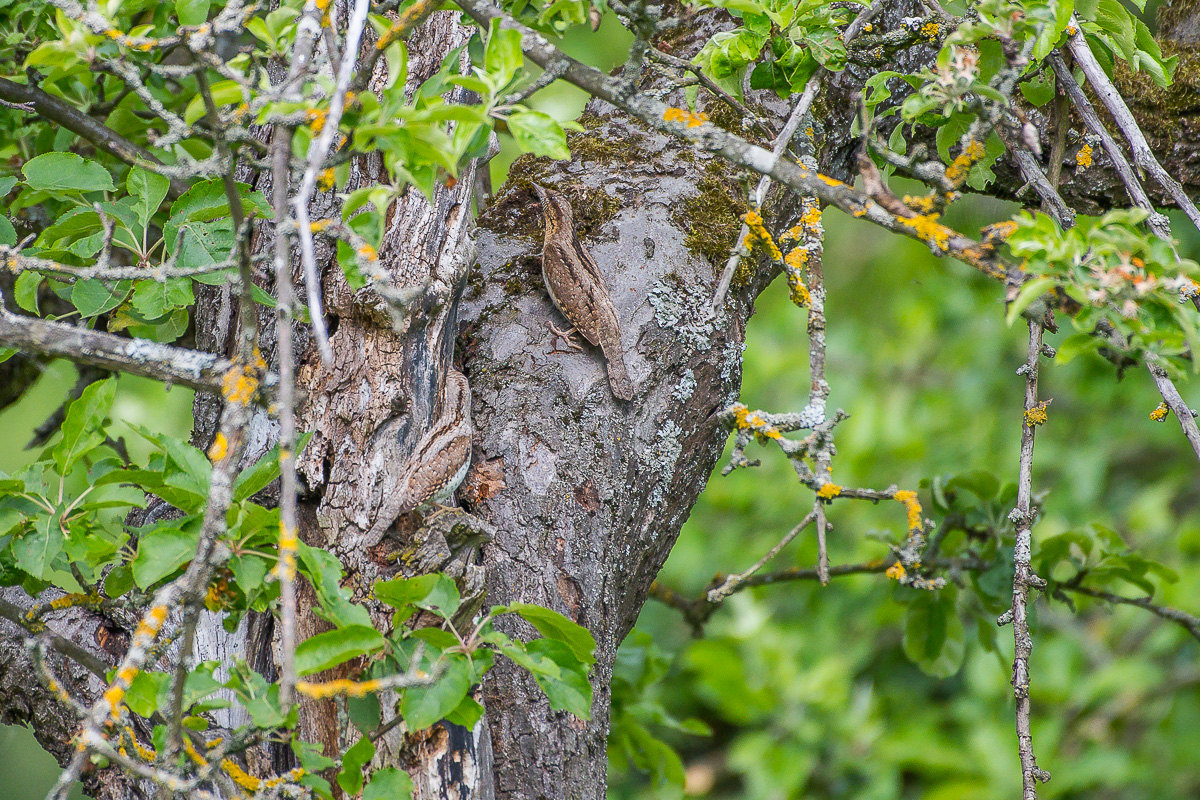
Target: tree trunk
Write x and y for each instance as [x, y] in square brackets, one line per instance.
[594, 489]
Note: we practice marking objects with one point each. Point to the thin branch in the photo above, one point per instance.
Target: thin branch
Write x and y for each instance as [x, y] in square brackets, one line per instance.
[778, 147]
[731, 583]
[1159, 224]
[173, 365]
[1175, 401]
[62, 644]
[1143, 156]
[1190, 622]
[317, 153]
[79, 123]
[1024, 578]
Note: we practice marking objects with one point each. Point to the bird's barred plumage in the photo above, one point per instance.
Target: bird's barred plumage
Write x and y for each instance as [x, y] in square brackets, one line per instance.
[440, 461]
[578, 290]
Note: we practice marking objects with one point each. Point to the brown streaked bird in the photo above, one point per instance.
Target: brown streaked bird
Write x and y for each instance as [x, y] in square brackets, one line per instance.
[578, 289]
[440, 462]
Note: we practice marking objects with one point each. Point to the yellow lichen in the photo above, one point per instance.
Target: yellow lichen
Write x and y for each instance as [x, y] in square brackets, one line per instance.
[957, 172]
[930, 30]
[760, 234]
[912, 506]
[829, 491]
[812, 217]
[896, 571]
[367, 252]
[686, 117]
[1037, 415]
[1083, 159]
[922, 204]
[320, 691]
[929, 230]
[1160, 413]
[219, 448]
[325, 180]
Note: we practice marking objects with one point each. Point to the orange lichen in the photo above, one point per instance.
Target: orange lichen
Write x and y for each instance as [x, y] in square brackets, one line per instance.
[367, 252]
[686, 117]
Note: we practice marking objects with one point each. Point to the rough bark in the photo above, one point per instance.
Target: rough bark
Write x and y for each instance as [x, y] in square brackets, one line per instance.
[595, 489]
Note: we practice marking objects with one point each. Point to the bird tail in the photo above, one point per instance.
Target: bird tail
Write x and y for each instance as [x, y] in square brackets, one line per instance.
[618, 376]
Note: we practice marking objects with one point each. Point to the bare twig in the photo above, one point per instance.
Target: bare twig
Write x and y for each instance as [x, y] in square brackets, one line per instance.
[317, 153]
[1024, 578]
[730, 585]
[778, 147]
[1143, 156]
[1190, 622]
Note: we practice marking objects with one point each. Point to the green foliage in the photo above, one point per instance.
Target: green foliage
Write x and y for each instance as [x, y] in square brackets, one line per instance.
[792, 39]
[1120, 276]
[822, 692]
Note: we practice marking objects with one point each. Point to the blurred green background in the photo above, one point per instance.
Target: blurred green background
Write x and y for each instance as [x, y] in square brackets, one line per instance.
[806, 690]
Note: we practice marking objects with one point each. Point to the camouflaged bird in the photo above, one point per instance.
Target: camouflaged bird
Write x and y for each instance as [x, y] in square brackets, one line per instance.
[578, 289]
[440, 462]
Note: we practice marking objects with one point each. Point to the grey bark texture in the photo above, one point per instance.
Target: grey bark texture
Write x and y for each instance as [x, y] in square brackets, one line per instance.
[594, 489]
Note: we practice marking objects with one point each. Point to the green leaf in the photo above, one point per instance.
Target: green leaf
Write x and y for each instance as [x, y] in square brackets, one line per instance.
[94, 297]
[25, 291]
[569, 690]
[163, 549]
[422, 706]
[8, 234]
[224, 93]
[1031, 291]
[539, 134]
[265, 470]
[149, 188]
[66, 172]
[933, 634]
[36, 550]
[434, 592]
[192, 12]
[326, 650]
[80, 429]
[389, 783]
[153, 298]
[503, 56]
[358, 756]
[142, 695]
[555, 626]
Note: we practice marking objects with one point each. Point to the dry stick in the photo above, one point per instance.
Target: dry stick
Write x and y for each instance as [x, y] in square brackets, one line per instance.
[285, 569]
[317, 153]
[1024, 578]
[1143, 156]
[1190, 622]
[204, 372]
[779, 146]
[1158, 223]
[1175, 402]
[733, 582]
